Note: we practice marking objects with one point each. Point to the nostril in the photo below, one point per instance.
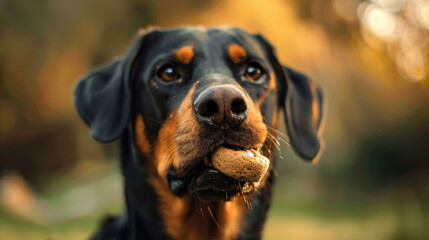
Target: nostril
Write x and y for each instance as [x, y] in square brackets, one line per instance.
[238, 106]
[221, 106]
[208, 108]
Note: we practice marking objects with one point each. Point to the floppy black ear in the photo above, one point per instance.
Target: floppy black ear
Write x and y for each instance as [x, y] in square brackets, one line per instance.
[302, 102]
[303, 108]
[103, 98]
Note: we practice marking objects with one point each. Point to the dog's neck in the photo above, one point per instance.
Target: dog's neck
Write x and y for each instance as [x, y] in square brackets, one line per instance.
[190, 218]
[153, 212]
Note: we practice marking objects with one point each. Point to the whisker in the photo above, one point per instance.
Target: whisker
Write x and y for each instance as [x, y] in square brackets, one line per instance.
[204, 216]
[267, 112]
[244, 199]
[274, 140]
[177, 96]
[252, 197]
[248, 204]
[278, 132]
[214, 219]
[283, 137]
[154, 120]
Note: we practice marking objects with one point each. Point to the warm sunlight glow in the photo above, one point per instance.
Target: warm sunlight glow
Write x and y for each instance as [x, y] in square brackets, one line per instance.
[380, 22]
[390, 5]
[422, 13]
[412, 64]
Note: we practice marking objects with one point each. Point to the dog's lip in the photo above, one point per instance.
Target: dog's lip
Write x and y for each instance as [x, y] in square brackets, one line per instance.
[208, 184]
[213, 185]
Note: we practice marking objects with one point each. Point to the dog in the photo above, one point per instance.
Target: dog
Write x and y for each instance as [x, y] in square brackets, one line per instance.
[174, 98]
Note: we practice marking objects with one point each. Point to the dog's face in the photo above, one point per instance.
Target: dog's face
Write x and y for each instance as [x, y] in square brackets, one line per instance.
[216, 88]
[186, 92]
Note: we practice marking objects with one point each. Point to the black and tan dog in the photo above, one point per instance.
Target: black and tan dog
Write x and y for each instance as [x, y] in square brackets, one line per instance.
[176, 97]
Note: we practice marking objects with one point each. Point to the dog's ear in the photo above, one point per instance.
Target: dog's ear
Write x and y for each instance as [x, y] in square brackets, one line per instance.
[103, 98]
[303, 108]
[302, 102]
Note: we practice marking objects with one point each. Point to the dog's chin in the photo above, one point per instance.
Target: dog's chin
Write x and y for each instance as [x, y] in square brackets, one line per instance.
[213, 185]
[208, 184]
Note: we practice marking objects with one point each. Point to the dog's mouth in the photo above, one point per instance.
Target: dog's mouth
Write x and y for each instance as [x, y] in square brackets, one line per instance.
[210, 182]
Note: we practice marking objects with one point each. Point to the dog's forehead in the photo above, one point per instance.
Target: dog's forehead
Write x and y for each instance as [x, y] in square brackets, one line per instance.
[203, 41]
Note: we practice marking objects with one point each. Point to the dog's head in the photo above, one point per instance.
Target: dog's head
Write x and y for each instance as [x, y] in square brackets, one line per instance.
[186, 92]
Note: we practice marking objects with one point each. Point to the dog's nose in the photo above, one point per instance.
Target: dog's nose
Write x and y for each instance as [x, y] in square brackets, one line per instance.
[221, 105]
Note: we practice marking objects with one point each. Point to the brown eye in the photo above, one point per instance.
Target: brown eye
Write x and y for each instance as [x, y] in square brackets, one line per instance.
[167, 73]
[253, 71]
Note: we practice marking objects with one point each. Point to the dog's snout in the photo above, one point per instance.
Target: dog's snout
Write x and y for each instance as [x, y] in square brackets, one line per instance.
[222, 106]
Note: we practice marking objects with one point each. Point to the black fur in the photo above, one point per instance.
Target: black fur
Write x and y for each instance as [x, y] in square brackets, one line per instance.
[109, 99]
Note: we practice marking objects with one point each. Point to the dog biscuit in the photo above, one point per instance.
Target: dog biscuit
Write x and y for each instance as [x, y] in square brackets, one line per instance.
[243, 165]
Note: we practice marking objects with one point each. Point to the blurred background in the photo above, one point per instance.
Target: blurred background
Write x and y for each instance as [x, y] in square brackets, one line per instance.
[370, 58]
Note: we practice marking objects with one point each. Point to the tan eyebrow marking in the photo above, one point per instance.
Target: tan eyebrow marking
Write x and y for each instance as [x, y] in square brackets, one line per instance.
[184, 54]
[237, 53]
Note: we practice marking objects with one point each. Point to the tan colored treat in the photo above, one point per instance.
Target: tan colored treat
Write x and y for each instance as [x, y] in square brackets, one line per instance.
[248, 166]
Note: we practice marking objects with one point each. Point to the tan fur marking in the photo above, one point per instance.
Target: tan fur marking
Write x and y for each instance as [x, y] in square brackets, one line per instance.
[142, 141]
[141, 31]
[148, 29]
[275, 119]
[185, 54]
[255, 122]
[166, 149]
[271, 86]
[166, 152]
[237, 53]
[188, 217]
[189, 128]
[315, 106]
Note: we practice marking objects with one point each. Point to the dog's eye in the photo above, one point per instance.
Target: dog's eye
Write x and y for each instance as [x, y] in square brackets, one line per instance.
[253, 71]
[168, 73]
